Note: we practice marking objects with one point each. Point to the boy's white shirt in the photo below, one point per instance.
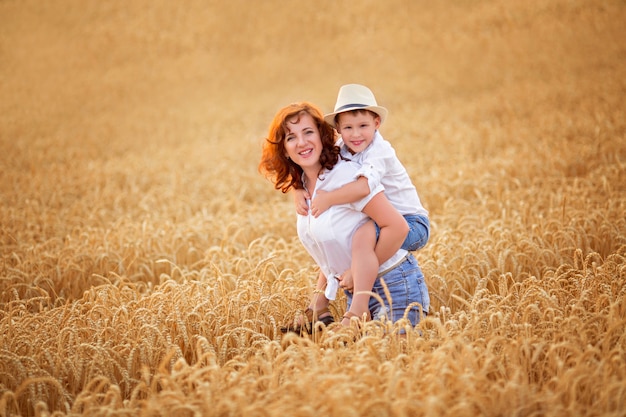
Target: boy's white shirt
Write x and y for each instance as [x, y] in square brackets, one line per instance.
[381, 166]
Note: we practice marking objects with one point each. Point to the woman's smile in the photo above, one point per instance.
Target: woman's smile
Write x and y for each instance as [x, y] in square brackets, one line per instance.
[303, 143]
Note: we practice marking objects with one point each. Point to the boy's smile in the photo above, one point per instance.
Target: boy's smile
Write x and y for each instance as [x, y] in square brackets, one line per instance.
[357, 129]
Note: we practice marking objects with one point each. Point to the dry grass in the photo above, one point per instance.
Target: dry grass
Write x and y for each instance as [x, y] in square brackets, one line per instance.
[146, 267]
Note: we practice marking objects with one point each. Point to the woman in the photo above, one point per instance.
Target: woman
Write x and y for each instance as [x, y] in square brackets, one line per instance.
[300, 152]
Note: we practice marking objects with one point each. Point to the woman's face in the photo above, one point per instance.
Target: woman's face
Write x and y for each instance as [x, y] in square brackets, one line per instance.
[303, 144]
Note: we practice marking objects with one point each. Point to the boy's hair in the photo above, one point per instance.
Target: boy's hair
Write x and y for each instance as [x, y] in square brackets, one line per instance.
[355, 112]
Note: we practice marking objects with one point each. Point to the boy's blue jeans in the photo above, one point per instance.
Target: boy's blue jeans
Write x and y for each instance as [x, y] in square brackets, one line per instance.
[419, 232]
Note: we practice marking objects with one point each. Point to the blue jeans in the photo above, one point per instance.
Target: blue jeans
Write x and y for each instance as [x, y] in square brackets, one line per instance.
[406, 286]
[419, 232]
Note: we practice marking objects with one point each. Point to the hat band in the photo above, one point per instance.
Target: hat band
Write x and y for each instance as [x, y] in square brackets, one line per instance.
[348, 106]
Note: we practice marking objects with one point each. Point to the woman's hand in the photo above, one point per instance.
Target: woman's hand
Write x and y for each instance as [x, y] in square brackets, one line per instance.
[345, 281]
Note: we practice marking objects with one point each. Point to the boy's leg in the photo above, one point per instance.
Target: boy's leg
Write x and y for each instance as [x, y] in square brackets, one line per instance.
[364, 268]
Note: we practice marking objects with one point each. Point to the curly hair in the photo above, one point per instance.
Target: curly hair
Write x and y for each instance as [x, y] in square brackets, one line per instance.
[275, 165]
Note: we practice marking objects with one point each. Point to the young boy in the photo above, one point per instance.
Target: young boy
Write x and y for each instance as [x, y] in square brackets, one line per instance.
[357, 118]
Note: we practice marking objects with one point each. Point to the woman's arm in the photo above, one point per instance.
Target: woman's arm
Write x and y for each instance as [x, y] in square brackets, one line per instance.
[393, 227]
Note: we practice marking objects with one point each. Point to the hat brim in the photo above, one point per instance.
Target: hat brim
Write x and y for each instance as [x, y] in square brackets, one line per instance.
[380, 111]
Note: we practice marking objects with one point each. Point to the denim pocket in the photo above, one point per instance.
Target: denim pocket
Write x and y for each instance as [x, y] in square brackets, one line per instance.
[405, 286]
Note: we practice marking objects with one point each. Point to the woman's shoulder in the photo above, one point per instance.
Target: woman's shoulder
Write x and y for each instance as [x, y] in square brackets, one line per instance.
[346, 167]
[344, 171]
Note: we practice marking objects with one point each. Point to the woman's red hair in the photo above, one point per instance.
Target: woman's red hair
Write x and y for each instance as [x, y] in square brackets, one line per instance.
[275, 165]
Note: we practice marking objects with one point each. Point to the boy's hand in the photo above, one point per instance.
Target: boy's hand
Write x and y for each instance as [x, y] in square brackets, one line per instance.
[345, 281]
[299, 199]
[321, 203]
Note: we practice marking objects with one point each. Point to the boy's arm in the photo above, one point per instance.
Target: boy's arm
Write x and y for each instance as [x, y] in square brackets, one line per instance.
[378, 161]
[348, 193]
[299, 199]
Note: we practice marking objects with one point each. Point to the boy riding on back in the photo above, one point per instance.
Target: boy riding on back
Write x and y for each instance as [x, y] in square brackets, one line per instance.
[357, 118]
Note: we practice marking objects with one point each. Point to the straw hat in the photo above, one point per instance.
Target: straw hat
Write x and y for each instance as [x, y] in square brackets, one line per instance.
[355, 97]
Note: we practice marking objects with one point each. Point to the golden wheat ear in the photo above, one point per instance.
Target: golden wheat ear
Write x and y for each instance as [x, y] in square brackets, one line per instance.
[310, 326]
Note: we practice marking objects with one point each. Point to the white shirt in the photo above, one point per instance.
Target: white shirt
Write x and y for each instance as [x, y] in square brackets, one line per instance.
[380, 165]
[328, 238]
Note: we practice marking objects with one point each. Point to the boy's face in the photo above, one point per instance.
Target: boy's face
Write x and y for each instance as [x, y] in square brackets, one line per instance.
[357, 129]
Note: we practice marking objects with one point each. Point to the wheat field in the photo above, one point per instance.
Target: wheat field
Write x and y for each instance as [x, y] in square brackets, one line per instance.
[147, 267]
